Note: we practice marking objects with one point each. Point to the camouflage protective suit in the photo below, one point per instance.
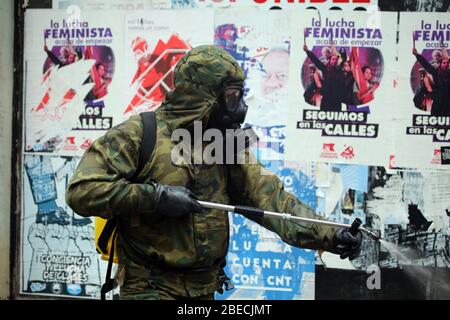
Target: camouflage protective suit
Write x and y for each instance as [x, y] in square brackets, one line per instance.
[183, 254]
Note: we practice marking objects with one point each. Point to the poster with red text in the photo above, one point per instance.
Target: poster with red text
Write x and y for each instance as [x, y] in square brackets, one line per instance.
[72, 73]
[342, 82]
[423, 119]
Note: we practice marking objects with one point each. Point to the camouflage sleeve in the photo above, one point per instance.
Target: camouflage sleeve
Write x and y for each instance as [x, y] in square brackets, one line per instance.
[264, 190]
[100, 185]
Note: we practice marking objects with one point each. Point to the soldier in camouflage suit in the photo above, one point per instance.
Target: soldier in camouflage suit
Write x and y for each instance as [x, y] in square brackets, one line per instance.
[181, 245]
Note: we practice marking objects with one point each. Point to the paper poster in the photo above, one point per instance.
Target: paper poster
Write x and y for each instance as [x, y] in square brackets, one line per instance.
[411, 210]
[178, 4]
[259, 263]
[58, 255]
[324, 5]
[423, 107]
[73, 73]
[127, 5]
[277, 4]
[154, 43]
[415, 5]
[260, 42]
[341, 87]
[342, 197]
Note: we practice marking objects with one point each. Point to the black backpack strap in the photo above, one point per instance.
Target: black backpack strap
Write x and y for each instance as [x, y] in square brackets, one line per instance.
[106, 234]
[224, 280]
[109, 282]
[145, 151]
[148, 141]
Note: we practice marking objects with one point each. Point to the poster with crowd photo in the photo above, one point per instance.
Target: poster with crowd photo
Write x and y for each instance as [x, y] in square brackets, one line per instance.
[260, 265]
[154, 43]
[411, 211]
[58, 255]
[341, 87]
[72, 72]
[423, 105]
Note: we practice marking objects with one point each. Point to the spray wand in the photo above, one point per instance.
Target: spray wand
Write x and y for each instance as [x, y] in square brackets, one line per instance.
[354, 227]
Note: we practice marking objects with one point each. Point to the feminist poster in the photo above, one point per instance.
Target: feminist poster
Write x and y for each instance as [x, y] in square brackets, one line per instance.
[58, 255]
[341, 87]
[154, 43]
[72, 79]
[423, 105]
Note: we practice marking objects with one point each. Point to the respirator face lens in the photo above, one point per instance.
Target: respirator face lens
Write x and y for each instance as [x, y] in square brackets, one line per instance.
[231, 98]
[234, 105]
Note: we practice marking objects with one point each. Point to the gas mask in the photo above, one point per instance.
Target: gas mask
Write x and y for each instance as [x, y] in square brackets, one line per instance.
[231, 112]
[231, 115]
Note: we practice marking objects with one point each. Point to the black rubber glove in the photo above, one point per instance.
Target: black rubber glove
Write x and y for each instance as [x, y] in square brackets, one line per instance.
[176, 202]
[346, 244]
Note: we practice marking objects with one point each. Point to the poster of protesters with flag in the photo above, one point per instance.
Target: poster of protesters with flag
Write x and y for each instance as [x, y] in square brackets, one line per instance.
[71, 76]
[342, 77]
[423, 107]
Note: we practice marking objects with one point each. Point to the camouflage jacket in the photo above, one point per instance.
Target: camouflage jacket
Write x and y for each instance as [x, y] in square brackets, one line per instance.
[101, 184]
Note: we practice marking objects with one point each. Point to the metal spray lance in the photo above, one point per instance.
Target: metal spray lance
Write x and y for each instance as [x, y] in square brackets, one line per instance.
[353, 228]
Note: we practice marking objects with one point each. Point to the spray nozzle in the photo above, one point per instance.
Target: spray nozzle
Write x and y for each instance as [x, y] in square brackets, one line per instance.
[370, 234]
[356, 225]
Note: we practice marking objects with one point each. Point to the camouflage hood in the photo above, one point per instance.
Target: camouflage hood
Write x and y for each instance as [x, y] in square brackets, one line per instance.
[199, 79]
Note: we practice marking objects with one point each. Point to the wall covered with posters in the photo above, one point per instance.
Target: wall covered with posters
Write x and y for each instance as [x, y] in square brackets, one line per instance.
[86, 72]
